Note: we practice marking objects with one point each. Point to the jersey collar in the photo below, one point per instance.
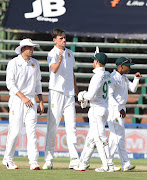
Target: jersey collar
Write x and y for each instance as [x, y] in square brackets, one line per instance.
[23, 60]
[97, 70]
[57, 49]
[118, 74]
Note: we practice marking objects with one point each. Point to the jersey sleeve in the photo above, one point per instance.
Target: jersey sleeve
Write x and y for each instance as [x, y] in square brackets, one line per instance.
[51, 58]
[132, 86]
[94, 85]
[10, 77]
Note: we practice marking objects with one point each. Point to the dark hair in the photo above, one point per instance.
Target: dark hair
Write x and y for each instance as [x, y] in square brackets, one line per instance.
[57, 32]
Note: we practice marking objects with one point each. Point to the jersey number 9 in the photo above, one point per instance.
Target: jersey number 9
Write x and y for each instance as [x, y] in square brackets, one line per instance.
[105, 90]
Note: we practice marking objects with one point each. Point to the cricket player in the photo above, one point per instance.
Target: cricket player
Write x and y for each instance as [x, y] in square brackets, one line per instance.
[61, 100]
[23, 80]
[98, 113]
[118, 95]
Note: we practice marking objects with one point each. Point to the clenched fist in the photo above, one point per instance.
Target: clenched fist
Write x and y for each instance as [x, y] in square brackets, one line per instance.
[60, 55]
[138, 74]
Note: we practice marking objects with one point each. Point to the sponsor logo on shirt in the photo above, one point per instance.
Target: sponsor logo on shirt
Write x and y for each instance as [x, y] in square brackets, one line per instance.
[12, 112]
[19, 65]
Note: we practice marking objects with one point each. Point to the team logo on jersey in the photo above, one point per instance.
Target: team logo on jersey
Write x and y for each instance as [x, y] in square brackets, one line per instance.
[19, 65]
[116, 120]
[68, 54]
[33, 66]
[52, 105]
[12, 112]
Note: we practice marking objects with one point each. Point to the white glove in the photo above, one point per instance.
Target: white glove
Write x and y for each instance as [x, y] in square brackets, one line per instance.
[80, 96]
[84, 104]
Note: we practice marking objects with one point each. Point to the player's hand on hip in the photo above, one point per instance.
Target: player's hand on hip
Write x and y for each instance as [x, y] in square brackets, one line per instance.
[122, 114]
[138, 74]
[27, 102]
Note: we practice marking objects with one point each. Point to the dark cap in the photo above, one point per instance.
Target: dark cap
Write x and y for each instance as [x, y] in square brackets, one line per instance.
[124, 61]
[101, 58]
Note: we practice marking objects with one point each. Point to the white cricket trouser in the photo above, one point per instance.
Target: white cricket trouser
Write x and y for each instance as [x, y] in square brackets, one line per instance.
[97, 137]
[117, 135]
[59, 105]
[88, 149]
[18, 115]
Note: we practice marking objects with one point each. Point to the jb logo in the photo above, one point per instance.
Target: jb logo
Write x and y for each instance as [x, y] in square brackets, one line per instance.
[46, 8]
[113, 3]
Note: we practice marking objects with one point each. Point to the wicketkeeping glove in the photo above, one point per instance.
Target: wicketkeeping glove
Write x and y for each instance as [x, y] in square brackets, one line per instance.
[81, 99]
[80, 96]
[84, 104]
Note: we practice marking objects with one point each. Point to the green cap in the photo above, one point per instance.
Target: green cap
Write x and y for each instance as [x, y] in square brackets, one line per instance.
[101, 58]
[124, 61]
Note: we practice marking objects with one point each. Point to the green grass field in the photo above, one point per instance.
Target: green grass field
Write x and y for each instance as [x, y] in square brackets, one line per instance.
[61, 171]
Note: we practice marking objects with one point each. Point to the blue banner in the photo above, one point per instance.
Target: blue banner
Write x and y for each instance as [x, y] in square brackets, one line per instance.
[78, 17]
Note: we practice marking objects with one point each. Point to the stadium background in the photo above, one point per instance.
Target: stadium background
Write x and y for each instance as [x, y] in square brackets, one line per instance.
[118, 27]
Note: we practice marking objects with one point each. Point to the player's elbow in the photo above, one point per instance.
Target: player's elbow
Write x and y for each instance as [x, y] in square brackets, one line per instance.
[134, 90]
[54, 69]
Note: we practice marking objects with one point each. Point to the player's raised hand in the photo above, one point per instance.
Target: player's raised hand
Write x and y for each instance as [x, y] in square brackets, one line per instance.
[138, 74]
[60, 55]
